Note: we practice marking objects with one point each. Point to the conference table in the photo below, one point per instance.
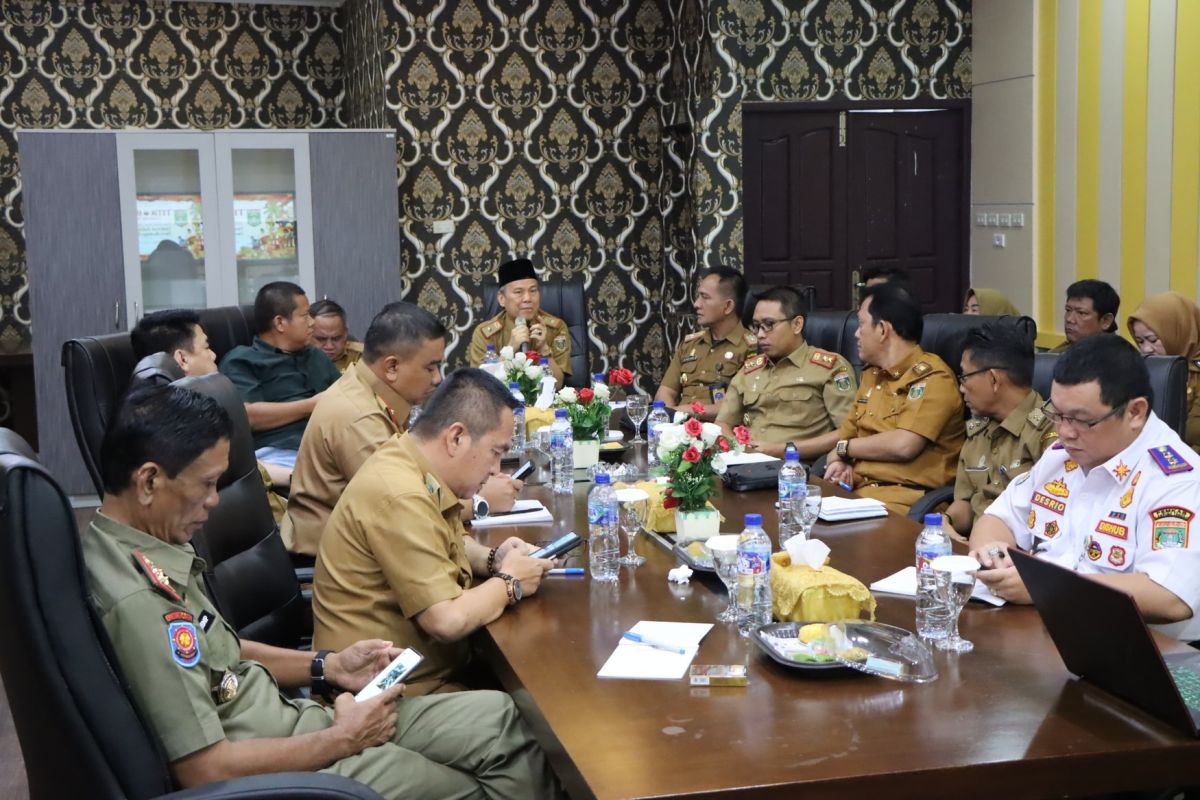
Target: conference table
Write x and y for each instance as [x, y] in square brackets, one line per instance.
[1005, 720]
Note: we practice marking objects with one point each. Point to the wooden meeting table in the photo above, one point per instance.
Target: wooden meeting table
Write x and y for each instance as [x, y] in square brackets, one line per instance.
[1006, 720]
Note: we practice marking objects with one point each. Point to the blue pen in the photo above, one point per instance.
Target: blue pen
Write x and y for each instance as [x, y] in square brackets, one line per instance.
[637, 637]
[566, 571]
[845, 486]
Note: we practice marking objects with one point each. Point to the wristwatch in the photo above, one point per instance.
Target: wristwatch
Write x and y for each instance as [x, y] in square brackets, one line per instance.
[481, 507]
[843, 448]
[316, 671]
[514, 588]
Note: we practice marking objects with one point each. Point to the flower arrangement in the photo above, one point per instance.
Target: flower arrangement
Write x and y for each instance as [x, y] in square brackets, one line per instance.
[588, 410]
[693, 452]
[525, 369]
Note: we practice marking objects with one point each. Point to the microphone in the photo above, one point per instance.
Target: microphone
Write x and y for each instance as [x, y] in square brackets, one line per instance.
[520, 322]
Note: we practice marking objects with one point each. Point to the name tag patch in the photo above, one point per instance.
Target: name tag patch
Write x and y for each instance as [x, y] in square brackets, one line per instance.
[1170, 527]
[206, 620]
[1047, 502]
[1112, 529]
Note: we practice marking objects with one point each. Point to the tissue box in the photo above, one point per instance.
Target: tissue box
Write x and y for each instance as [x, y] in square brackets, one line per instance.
[800, 593]
[536, 418]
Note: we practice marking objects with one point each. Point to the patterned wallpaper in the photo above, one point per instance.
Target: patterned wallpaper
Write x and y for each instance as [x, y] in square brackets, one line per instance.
[123, 63]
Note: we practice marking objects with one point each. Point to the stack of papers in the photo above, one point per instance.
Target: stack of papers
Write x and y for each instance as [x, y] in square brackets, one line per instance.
[644, 662]
[843, 509]
[904, 583]
[746, 458]
[524, 512]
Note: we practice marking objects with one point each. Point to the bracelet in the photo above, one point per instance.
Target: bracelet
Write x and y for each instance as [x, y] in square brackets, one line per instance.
[491, 562]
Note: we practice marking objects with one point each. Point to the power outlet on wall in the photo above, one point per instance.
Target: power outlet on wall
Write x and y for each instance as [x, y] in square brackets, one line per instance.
[442, 226]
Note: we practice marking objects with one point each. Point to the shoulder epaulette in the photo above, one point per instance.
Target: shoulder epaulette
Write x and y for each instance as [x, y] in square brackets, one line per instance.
[975, 425]
[1037, 418]
[1169, 460]
[354, 347]
[489, 328]
[921, 368]
[155, 574]
[691, 337]
[754, 363]
[551, 321]
[751, 340]
[823, 359]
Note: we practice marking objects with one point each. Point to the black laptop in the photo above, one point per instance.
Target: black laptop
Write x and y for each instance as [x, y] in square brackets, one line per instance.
[1102, 638]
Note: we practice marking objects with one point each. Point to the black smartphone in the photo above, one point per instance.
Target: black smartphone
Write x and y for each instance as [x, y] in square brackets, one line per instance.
[563, 544]
[520, 472]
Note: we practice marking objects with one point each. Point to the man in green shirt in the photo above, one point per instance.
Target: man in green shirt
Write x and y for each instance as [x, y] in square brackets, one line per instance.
[212, 700]
[280, 375]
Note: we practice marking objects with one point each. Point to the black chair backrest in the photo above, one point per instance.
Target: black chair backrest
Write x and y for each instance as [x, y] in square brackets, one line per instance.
[1168, 380]
[80, 734]
[567, 301]
[97, 370]
[755, 289]
[227, 327]
[157, 368]
[250, 573]
[944, 333]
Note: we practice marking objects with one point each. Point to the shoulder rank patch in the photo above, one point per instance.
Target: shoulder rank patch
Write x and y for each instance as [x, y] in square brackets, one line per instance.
[823, 359]
[156, 575]
[1058, 488]
[922, 367]
[1112, 529]
[751, 340]
[185, 647]
[1170, 527]
[975, 425]
[1037, 418]
[489, 329]
[550, 321]
[691, 337]
[1116, 556]
[1169, 461]
[754, 363]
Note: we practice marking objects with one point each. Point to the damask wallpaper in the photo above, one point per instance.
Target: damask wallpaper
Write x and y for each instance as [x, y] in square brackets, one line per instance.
[128, 64]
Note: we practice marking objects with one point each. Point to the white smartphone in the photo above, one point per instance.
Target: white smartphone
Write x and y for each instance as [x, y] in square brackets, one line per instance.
[395, 672]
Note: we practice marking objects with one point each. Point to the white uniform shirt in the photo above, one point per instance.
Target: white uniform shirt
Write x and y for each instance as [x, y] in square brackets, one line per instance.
[1131, 514]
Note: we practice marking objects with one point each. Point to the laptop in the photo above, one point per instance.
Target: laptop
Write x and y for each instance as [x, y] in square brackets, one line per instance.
[1102, 638]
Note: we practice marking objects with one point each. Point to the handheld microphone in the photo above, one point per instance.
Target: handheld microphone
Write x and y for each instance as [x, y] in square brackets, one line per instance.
[520, 322]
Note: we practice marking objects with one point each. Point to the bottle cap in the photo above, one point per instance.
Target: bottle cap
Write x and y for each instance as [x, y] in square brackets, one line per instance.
[545, 361]
[791, 455]
[491, 347]
[934, 520]
[598, 377]
[514, 385]
[602, 479]
[659, 404]
[754, 520]
[560, 413]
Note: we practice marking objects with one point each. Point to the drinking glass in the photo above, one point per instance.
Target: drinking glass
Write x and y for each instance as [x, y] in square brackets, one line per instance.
[637, 407]
[809, 509]
[635, 505]
[954, 577]
[724, 553]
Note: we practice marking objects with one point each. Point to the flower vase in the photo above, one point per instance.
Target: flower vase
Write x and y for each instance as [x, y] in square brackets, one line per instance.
[586, 453]
[697, 526]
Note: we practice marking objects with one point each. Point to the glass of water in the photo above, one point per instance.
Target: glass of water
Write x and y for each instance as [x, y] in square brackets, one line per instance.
[809, 509]
[634, 505]
[724, 553]
[954, 577]
[637, 406]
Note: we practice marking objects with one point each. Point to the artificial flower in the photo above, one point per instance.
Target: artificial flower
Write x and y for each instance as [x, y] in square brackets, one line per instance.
[693, 427]
[567, 395]
[697, 408]
[586, 395]
[691, 455]
[742, 434]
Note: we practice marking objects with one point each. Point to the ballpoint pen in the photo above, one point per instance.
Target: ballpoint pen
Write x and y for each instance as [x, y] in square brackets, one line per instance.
[566, 571]
[637, 637]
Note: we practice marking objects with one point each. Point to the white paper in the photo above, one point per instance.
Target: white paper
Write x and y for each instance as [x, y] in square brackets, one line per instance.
[904, 583]
[746, 458]
[641, 662]
[528, 512]
[842, 509]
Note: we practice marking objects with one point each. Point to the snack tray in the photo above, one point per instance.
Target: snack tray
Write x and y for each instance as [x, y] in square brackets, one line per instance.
[892, 652]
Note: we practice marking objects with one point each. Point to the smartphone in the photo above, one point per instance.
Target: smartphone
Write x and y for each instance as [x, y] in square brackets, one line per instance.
[564, 544]
[520, 472]
[395, 672]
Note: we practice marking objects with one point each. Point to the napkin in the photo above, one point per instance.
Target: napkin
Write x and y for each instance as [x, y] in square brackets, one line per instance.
[812, 552]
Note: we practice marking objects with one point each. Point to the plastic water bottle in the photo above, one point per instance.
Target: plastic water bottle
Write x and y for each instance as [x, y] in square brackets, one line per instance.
[491, 362]
[518, 439]
[792, 484]
[933, 616]
[753, 576]
[658, 416]
[598, 378]
[546, 393]
[604, 546]
[562, 454]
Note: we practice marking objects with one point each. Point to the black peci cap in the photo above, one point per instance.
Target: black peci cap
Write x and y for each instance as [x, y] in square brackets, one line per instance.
[516, 270]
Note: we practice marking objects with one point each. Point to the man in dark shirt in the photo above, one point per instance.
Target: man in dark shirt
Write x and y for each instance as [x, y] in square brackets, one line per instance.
[280, 375]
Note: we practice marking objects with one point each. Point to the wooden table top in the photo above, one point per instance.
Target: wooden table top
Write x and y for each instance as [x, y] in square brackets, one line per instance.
[1006, 720]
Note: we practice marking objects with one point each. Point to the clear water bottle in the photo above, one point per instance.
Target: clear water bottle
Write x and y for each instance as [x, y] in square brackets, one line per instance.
[753, 576]
[658, 416]
[518, 438]
[933, 616]
[548, 383]
[604, 546]
[562, 454]
[491, 362]
[597, 379]
[792, 484]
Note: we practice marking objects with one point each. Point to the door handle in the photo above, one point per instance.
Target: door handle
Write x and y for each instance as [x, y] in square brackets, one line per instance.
[117, 315]
[855, 286]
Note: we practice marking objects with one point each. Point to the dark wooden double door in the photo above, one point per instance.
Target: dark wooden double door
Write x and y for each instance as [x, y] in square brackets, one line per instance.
[828, 193]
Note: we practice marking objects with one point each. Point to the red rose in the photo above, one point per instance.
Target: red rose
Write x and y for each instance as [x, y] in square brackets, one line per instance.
[692, 455]
[693, 427]
[620, 376]
[723, 444]
[697, 408]
[742, 435]
[670, 502]
[534, 356]
[586, 395]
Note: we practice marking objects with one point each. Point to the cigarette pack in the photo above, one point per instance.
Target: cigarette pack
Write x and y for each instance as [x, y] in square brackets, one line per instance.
[718, 675]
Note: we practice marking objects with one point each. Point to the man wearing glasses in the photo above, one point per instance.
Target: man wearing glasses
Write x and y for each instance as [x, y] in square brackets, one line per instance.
[1008, 430]
[791, 390]
[1114, 499]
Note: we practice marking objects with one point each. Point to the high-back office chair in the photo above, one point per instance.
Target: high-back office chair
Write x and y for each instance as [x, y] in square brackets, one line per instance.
[755, 290]
[567, 301]
[227, 327]
[80, 733]
[944, 334]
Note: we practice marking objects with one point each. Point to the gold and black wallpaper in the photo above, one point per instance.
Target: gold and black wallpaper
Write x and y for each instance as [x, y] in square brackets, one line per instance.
[156, 64]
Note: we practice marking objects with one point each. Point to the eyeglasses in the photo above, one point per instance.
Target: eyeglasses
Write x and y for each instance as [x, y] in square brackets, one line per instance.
[766, 325]
[963, 377]
[1075, 422]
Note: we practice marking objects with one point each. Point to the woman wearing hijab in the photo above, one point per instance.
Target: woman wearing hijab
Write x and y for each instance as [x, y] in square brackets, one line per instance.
[989, 303]
[1169, 324]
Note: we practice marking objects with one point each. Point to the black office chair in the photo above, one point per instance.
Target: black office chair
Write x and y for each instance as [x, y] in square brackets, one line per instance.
[567, 301]
[943, 334]
[80, 732]
[754, 290]
[227, 327]
[97, 370]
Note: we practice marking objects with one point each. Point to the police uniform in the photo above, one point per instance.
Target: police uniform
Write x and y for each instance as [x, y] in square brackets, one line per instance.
[498, 330]
[701, 370]
[185, 672]
[352, 419]
[920, 394]
[806, 394]
[997, 451]
[350, 355]
[393, 547]
[1133, 513]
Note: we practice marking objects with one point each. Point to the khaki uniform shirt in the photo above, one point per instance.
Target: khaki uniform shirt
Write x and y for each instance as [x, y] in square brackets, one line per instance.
[392, 548]
[701, 370]
[1192, 432]
[1061, 347]
[352, 419]
[920, 394]
[801, 396]
[350, 355]
[497, 330]
[997, 451]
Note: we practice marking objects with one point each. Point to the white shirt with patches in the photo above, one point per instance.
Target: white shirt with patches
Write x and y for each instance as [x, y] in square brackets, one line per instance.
[1131, 514]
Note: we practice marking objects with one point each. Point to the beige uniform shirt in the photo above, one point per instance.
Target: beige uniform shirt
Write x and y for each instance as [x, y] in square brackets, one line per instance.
[1192, 432]
[393, 548]
[352, 419]
[497, 331]
[996, 451]
[920, 394]
[804, 395]
[701, 370]
[350, 355]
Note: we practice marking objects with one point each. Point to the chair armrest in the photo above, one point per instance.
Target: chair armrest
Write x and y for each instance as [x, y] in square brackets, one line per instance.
[929, 501]
[280, 786]
[818, 466]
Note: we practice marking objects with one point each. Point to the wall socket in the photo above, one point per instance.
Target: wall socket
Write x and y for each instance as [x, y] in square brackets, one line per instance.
[442, 226]
[998, 240]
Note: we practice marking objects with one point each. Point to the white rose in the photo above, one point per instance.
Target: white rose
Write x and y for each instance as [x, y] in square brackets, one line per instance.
[567, 395]
[520, 359]
[718, 463]
[709, 432]
[670, 436]
[533, 372]
[601, 391]
[506, 353]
